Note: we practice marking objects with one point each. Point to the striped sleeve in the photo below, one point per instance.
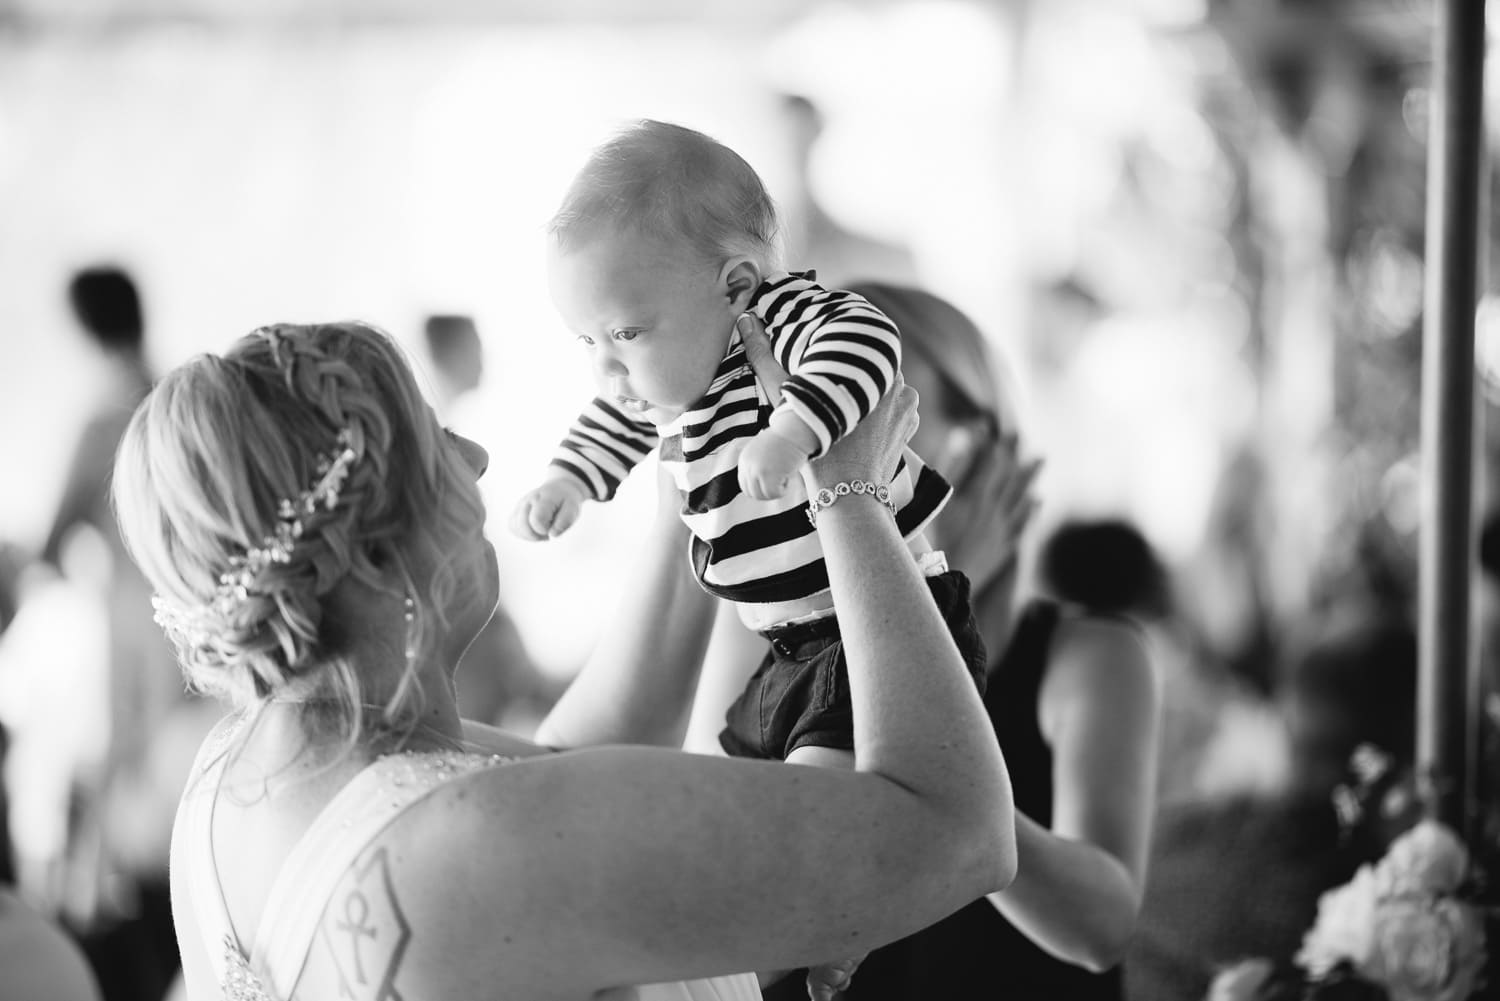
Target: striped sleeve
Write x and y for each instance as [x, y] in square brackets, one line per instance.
[846, 360]
[602, 447]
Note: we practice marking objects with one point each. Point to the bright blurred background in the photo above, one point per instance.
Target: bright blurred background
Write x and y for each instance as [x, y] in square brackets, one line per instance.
[1193, 227]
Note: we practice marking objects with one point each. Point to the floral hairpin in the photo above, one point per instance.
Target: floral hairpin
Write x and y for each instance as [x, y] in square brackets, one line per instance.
[237, 583]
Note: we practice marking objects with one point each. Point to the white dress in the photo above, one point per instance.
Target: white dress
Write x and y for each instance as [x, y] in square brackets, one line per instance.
[337, 837]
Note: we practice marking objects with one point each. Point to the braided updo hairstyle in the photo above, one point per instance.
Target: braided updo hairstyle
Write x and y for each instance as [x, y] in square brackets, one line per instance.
[206, 463]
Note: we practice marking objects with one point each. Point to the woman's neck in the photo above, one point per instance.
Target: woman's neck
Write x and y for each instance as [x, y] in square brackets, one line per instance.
[302, 728]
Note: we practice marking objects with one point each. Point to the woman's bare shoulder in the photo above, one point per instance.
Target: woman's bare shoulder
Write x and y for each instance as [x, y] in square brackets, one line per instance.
[1097, 658]
[462, 894]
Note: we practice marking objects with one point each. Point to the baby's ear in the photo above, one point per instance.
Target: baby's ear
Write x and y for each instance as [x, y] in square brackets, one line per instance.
[741, 279]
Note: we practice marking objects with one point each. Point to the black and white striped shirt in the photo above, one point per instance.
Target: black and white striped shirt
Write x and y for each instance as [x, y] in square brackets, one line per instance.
[842, 355]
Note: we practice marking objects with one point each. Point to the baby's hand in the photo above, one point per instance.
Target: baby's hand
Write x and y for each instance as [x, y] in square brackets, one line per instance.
[768, 462]
[549, 510]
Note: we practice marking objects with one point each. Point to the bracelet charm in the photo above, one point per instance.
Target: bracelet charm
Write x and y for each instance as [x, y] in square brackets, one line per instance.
[828, 495]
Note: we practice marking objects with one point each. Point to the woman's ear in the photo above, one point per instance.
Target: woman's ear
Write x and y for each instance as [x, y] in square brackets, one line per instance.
[740, 278]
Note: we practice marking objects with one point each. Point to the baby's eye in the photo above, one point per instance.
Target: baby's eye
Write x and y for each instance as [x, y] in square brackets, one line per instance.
[625, 335]
[586, 339]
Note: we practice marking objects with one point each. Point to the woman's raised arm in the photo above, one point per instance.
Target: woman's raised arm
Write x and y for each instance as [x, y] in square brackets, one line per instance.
[638, 683]
[1085, 876]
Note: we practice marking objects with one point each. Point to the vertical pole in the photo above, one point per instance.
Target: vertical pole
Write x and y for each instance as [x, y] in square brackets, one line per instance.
[1448, 690]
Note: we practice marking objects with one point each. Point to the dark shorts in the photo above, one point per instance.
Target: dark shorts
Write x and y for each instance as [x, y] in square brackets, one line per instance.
[799, 695]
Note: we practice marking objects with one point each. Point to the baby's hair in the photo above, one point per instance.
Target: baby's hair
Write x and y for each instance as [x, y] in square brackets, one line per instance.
[670, 182]
[202, 470]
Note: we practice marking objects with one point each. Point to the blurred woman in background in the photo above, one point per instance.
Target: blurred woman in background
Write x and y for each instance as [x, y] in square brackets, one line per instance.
[1071, 696]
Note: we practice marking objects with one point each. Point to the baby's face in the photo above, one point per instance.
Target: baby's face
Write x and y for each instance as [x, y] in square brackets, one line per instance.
[654, 320]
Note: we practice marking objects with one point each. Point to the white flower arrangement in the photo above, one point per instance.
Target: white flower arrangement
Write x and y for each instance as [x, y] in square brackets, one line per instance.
[1401, 927]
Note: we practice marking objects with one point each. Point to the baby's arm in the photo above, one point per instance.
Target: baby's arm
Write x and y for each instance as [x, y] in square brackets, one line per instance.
[773, 456]
[839, 371]
[599, 451]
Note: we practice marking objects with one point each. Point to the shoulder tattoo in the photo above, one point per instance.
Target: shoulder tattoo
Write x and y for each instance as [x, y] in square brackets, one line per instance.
[365, 932]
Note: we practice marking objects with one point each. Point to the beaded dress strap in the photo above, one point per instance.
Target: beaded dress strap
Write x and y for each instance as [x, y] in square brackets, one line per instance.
[370, 801]
[195, 828]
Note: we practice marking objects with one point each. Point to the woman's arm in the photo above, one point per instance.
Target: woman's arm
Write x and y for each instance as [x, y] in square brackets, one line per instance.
[734, 652]
[1079, 885]
[638, 683]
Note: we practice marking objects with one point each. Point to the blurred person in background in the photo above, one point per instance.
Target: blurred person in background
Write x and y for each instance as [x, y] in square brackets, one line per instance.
[1488, 631]
[1071, 696]
[111, 887]
[1108, 567]
[106, 303]
[13, 560]
[812, 235]
[39, 960]
[457, 355]
[315, 541]
[1240, 875]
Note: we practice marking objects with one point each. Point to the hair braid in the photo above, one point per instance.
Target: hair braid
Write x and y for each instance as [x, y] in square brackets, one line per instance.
[208, 466]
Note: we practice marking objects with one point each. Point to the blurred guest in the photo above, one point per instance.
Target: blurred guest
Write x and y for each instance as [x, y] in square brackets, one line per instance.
[39, 960]
[120, 819]
[1488, 630]
[1240, 876]
[1107, 567]
[107, 306]
[813, 237]
[1488, 627]
[11, 564]
[1231, 608]
[457, 355]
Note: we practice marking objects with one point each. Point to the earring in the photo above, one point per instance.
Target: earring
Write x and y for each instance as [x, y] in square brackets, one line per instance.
[411, 621]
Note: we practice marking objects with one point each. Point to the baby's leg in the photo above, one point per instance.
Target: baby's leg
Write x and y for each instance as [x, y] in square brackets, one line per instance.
[821, 757]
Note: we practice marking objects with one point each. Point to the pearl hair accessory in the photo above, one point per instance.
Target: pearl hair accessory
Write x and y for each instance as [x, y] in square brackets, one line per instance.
[238, 582]
[410, 616]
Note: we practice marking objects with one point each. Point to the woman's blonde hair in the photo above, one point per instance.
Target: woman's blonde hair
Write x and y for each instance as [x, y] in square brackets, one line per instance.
[202, 474]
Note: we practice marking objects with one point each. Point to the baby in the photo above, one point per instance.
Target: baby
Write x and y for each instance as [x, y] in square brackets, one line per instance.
[663, 240]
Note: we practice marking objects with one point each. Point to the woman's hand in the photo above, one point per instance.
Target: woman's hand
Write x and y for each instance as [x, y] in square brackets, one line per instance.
[992, 504]
[871, 449]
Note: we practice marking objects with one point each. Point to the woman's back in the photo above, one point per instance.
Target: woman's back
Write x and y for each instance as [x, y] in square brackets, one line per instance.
[325, 856]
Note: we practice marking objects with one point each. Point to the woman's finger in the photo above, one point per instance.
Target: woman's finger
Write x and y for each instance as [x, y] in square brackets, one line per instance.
[768, 371]
[1016, 489]
[991, 509]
